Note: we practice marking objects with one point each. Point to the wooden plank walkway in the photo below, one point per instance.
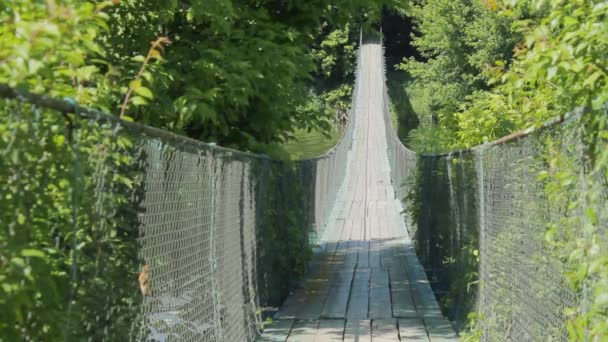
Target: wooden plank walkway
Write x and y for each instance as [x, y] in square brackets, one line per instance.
[367, 284]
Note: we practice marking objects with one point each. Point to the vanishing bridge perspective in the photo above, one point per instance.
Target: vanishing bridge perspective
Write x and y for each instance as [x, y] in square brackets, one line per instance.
[366, 282]
[187, 241]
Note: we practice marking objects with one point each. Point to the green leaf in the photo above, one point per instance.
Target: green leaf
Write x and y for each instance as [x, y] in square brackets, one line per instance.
[59, 140]
[144, 92]
[139, 59]
[34, 253]
[138, 101]
[135, 84]
[590, 81]
[568, 21]
[18, 261]
[602, 299]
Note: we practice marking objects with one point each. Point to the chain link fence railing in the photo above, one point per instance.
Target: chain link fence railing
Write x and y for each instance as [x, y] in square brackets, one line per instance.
[114, 231]
[479, 220]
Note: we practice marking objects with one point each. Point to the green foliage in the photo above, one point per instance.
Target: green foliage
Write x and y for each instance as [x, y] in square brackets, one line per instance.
[57, 248]
[69, 250]
[457, 41]
[558, 65]
[311, 144]
[330, 97]
[561, 65]
[52, 48]
[237, 73]
[284, 231]
[336, 53]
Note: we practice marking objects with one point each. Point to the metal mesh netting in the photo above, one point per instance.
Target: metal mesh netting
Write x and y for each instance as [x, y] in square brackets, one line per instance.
[478, 219]
[523, 292]
[145, 234]
[151, 235]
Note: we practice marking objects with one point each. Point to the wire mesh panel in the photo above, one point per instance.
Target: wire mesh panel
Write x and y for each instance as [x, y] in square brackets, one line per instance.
[177, 243]
[136, 233]
[330, 168]
[479, 220]
[177, 239]
[524, 292]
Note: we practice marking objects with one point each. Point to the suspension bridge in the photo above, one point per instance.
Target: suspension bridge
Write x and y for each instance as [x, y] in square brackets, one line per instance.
[366, 283]
[215, 235]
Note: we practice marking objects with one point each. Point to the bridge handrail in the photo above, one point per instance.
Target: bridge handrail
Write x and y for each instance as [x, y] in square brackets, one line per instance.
[166, 195]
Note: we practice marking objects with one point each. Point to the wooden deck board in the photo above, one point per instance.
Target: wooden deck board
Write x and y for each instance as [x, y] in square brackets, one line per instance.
[358, 331]
[385, 330]
[337, 300]
[412, 329]
[363, 254]
[440, 329]
[401, 294]
[379, 294]
[303, 331]
[330, 330]
[359, 296]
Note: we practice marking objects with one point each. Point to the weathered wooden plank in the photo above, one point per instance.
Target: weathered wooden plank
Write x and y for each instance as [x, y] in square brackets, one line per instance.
[337, 262]
[363, 254]
[337, 300]
[359, 294]
[424, 298]
[310, 297]
[412, 329]
[379, 294]
[375, 221]
[358, 232]
[308, 301]
[350, 260]
[440, 329]
[328, 249]
[375, 247]
[330, 330]
[369, 220]
[387, 252]
[303, 331]
[277, 331]
[401, 295]
[385, 330]
[358, 331]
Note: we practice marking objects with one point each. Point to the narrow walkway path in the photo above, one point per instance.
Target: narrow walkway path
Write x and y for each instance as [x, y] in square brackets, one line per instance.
[366, 284]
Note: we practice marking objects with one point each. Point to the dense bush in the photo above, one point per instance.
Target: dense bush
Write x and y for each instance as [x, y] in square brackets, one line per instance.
[490, 68]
